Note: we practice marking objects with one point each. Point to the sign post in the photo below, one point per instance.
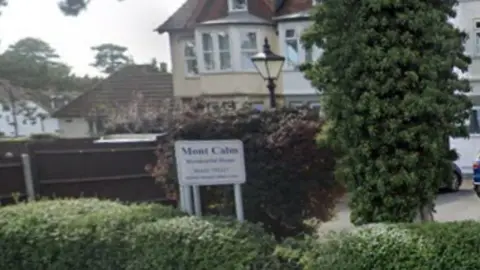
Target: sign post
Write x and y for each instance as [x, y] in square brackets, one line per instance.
[208, 163]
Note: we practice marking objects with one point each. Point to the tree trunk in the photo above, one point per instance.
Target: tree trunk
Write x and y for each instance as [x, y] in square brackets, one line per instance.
[425, 213]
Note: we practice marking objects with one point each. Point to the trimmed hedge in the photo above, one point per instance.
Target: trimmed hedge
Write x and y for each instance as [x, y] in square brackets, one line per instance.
[427, 246]
[100, 235]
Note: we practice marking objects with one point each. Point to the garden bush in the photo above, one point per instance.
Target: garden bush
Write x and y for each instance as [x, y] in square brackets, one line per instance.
[101, 235]
[289, 178]
[425, 246]
[202, 244]
[71, 234]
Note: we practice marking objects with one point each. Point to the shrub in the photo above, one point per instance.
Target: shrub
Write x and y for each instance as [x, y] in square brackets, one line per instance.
[71, 234]
[98, 235]
[289, 179]
[201, 244]
[381, 246]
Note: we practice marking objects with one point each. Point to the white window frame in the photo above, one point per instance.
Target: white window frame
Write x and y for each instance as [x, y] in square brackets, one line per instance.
[477, 109]
[251, 51]
[190, 58]
[215, 51]
[302, 51]
[476, 37]
[210, 51]
[231, 6]
[316, 2]
[289, 65]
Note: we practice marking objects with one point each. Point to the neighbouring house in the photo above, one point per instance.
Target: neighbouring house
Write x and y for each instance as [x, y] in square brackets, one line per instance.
[24, 112]
[468, 20]
[85, 116]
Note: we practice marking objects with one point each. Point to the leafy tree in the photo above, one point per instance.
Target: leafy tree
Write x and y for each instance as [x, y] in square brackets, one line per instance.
[110, 57]
[33, 63]
[392, 100]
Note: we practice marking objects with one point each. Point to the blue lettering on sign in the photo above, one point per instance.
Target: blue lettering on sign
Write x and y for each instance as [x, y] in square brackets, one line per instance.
[216, 150]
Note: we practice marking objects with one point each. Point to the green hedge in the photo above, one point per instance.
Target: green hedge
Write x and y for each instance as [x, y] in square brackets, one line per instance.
[378, 247]
[100, 235]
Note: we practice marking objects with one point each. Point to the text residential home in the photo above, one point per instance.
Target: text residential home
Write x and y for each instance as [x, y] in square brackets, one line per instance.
[85, 116]
[468, 19]
[212, 42]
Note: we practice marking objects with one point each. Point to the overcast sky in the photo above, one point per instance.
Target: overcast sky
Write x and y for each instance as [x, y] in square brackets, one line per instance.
[129, 23]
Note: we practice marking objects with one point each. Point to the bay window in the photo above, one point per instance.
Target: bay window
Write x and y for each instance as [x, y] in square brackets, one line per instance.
[190, 56]
[248, 48]
[216, 51]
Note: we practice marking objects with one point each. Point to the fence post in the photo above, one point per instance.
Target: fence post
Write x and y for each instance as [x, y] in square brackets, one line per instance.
[27, 176]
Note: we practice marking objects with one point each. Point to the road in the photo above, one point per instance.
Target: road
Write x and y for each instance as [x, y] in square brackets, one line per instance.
[461, 205]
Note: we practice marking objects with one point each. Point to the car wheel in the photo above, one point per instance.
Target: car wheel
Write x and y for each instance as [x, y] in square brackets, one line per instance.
[456, 182]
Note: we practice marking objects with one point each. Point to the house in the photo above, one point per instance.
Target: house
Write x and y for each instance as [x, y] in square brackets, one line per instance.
[468, 20]
[85, 116]
[24, 112]
[212, 42]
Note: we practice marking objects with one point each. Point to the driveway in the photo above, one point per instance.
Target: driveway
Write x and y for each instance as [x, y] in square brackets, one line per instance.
[461, 205]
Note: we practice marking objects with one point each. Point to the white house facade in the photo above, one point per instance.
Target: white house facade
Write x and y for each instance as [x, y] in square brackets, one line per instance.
[26, 124]
[468, 20]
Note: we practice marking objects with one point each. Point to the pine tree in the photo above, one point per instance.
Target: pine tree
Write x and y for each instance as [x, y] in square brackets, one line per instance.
[391, 98]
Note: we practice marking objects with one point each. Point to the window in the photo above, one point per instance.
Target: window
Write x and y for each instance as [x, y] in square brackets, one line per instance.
[216, 54]
[224, 51]
[295, 52]
[316, 2]
[474, 121]
[190, 56]
[208, 52]
[249, 47]
[238, 5]
[291, 47]
[476, 30]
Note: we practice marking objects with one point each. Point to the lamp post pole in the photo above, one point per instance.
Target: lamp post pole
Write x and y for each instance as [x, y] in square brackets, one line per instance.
[271, 89]
[269, 66]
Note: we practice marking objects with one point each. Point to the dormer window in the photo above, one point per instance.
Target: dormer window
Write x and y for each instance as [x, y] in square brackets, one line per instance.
[237, 5]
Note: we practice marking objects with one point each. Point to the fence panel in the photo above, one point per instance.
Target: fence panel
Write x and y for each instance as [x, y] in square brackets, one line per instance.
[12, 184]
[71, 168]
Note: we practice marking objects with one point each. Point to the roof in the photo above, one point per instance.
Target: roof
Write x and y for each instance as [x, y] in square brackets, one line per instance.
[118, 90]
[40, 97]
[194, 12]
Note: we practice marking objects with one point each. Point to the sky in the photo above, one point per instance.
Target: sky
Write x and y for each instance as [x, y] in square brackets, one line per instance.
[129, 23]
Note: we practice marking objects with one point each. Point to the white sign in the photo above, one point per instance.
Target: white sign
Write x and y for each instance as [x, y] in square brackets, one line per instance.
[216, 162]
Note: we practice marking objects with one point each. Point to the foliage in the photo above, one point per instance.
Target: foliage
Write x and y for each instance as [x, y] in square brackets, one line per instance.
[392, 98]
[109, 57]
[33, 63]
[209, 243]
[382, 246]
[98, 235]
[290, 179]
[138, 116]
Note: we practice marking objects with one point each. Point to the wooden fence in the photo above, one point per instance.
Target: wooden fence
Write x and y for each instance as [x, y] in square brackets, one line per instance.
[79, 168]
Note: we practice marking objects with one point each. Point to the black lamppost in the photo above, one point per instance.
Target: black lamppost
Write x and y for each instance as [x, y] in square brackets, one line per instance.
[269, 66]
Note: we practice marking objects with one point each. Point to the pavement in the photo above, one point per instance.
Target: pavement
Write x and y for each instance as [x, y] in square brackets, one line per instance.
[461, 205]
